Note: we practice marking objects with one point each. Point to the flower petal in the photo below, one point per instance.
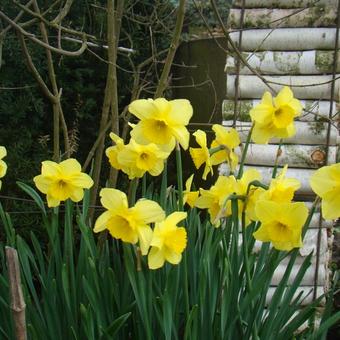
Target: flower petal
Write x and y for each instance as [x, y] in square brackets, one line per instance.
[70, 166]
[113, 200]
[143, 108]
[102, 221]
[147, 211]
[182, 135]
[180, 112]
[156, 258]
[81, 180]
[144, 237]
[3, 152]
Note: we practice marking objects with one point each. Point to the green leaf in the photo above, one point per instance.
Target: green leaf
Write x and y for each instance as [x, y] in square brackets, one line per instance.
[116, 325]
[32, 193]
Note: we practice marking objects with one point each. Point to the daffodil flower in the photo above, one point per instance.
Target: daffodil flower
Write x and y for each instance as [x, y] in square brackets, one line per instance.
[136, 159]
[162, 122]
[62, 181]
[215, 198]
[275, 117]
[325, 182]
[3, 165]
[113, 151]
[130, 225]
[201, 155]
[168, 241]
[281, 223]
[229, 139]
[282, 189]
[190, 197]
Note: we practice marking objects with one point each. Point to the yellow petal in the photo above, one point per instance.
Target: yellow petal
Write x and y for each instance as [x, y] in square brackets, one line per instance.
[322, 181]
[330, 205]
[201, 138]
[77, 194]
[3, 152]
[172, 257]
[43, 183]
[180, 112]
[175, 240]
[52, 202]
[283, 97]
[113, 199]
[147, 211]
[267, 211]
[182, 136]
[199, 156]
[102, 221]
[283, 116]
[174, 218]
[262, 133]
[70, 166]
[144, 237]
[143, 108]
[261, 234]
[156, 258]
[190, 198]
[120, 228]
[81, 180]
[49, 168]
[3, 168]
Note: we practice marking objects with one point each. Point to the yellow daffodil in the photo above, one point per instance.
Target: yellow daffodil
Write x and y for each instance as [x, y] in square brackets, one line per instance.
[275, 117]
[128, 224]
[201, 155]
[214, 199]
[281, 223]
[282, 189]
[162, 122]
[190, 197]
[62, 181]
[136, 159]
[325, 182]
[229, 139]
[113, 151]
[3, 165]
[168, 241]
[241, 189]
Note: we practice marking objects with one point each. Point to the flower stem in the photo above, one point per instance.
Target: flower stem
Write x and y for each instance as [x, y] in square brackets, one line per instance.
[244, 153]
[179, 177]
[180, 208]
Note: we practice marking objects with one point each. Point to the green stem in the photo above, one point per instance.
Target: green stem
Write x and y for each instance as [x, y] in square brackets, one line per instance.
[180, 208]
[278, 154]
[164, 185]
[179, 176]
[247, 269]
[244, 153]
[132, 191]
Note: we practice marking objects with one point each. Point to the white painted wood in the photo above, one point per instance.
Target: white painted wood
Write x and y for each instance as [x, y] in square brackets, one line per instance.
[314, 16]
[309, 245]
[307, 294]
[297, 156]
[253, 87]
[286, 39]
[284, 3]
[307, 133]
[315, 110]
[285, 62]
[308, 279]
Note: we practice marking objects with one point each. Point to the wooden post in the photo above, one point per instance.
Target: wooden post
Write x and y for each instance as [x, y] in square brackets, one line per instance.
[18, 305]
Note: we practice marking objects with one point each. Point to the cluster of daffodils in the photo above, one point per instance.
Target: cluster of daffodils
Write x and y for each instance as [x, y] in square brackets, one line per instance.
[166, 241]
[281, 219]
[163, 124]
[221, 149]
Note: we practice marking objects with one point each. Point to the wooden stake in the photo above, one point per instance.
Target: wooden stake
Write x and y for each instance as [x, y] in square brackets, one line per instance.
[18, 305]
